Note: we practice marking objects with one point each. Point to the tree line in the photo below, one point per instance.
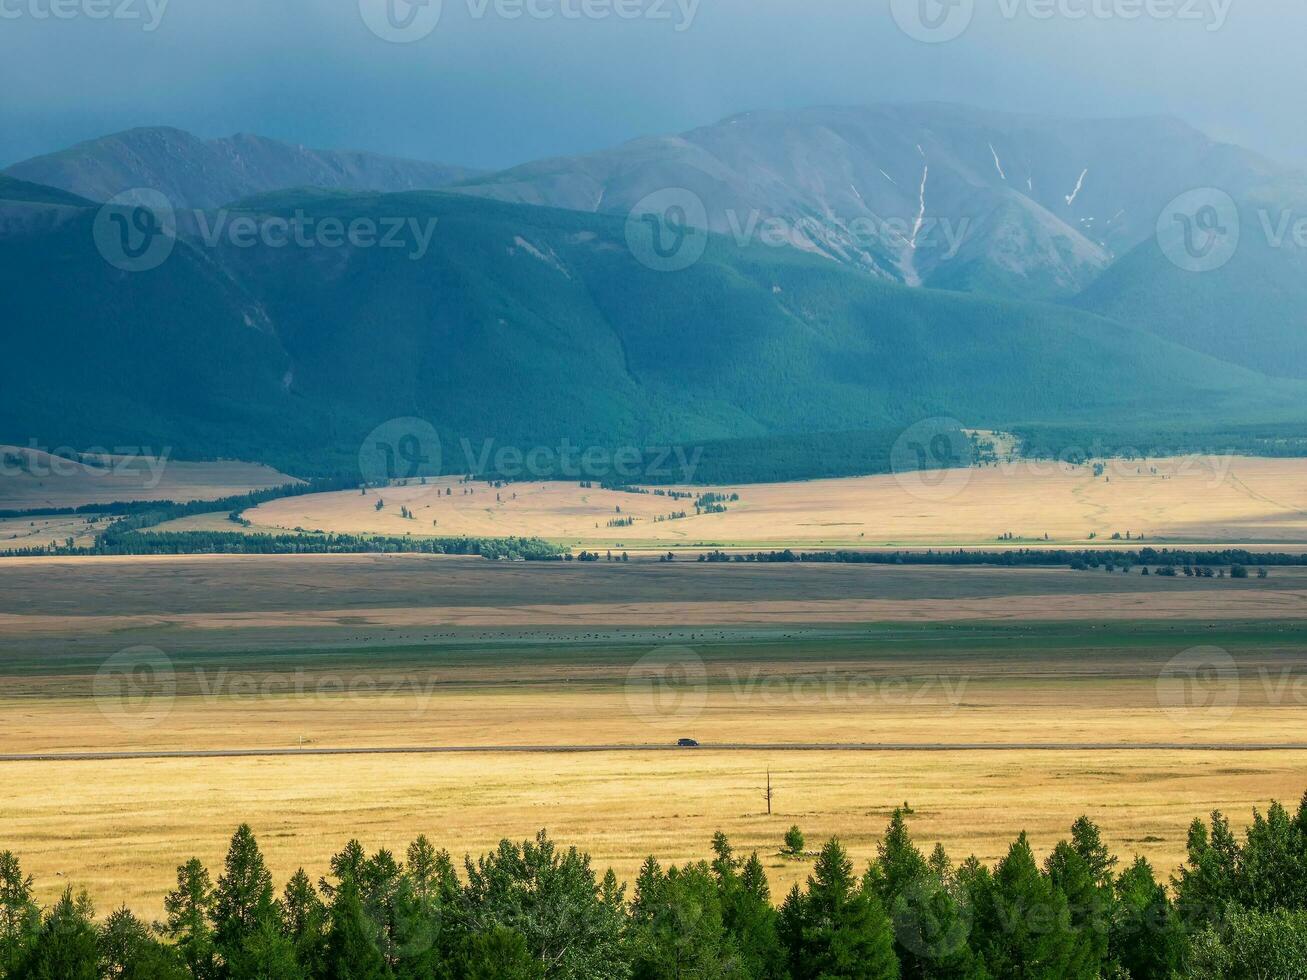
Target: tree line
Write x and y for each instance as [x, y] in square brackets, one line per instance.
[134, 542]
[1025, 557]
[534, 911]
[1080, 444]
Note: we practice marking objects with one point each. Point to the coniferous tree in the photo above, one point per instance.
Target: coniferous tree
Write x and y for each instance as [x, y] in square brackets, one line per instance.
[379, 881]
[347, 863]
[66, 948]
[933, 929]
[1209, 881]
[789, 925]
[438, 894]
[747, 913]
[435, 881]
[931, 921]
[1022, 924]
[899, 864]
[128, 951]
[1088, 843]
[1088, 901]
[244, 894]
[678, 927]
[939, 862]
[189, 908]
[20, 916]
[842, 928]
[304, 917]
[1146, 938]
[248, 932]
[352, 950]
[266, 953]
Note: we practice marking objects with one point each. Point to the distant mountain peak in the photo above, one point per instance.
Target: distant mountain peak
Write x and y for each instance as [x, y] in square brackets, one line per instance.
[207, 173]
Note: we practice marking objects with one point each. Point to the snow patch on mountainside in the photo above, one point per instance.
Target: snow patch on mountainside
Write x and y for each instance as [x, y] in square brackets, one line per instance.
[998, 165]
[1071, 199]
[548, 258]
[921, 210]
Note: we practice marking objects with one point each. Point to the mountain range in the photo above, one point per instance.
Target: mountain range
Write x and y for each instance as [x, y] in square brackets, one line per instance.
[1046, 204]
[521, 312]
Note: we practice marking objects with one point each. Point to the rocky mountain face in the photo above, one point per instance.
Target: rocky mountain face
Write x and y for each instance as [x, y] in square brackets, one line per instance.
[925, 195]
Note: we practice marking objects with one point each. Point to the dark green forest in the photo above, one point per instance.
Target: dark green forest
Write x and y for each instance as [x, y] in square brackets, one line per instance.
[1237, 910]
[524, 327]
[1250, 312]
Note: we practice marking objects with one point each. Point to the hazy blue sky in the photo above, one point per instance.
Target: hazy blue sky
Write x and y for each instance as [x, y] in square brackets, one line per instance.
[488, 91]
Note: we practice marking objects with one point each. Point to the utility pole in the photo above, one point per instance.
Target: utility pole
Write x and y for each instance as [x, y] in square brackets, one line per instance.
[768, 795]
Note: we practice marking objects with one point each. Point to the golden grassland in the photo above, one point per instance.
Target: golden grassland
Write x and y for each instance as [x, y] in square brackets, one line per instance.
[121, 828]
[798, 701]
[17, 534]
[32, 479]
[1206, 500]
[374, 651]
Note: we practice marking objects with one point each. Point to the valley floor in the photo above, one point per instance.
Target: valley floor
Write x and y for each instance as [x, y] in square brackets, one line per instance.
[153, 654]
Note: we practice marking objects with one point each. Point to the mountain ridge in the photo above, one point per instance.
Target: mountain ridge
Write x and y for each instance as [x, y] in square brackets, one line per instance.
[197, 173]
[1056, 199]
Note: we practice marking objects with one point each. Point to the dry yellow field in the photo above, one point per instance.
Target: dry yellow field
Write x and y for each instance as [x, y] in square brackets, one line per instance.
[121, 828]
[1216, 500]
[32, 479]
[17, 534]
[810, 694]
[323, 652]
